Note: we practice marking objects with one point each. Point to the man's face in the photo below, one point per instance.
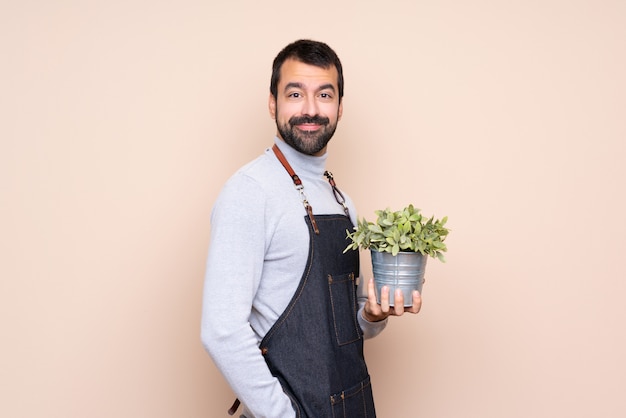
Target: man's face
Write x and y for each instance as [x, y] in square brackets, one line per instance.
[307, 106]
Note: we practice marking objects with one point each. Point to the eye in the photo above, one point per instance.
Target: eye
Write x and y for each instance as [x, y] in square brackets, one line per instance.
[326, 95]
[295, 95]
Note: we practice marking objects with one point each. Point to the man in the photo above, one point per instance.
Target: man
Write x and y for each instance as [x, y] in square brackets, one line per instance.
[281, 318]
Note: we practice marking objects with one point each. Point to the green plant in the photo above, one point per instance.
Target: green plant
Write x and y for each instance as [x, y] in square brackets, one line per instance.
[403, 230]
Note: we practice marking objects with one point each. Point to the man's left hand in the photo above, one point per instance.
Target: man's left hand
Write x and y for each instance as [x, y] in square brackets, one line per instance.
[374, 312]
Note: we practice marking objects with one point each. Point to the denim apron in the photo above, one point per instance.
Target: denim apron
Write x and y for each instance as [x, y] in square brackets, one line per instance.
[315, 348]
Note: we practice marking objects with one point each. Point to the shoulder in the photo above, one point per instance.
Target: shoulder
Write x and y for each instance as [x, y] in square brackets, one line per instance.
[254, 186]
[252, 178]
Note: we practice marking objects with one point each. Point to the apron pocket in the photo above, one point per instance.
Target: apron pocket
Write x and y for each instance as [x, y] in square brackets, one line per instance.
[356, 402]
[343, 301]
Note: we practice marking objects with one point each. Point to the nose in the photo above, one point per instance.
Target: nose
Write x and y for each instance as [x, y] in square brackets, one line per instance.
[309, 106]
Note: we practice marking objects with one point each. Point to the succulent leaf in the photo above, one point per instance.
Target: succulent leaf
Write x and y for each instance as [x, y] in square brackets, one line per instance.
[403, 230]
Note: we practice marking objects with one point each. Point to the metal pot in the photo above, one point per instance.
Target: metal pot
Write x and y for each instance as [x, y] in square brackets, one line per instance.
[403, 271]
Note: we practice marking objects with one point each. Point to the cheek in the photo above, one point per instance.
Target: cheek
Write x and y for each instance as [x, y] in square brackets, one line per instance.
[285, 111]
[332, 111]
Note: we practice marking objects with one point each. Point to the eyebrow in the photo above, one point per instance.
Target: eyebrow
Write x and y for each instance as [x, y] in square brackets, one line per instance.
[301, 86]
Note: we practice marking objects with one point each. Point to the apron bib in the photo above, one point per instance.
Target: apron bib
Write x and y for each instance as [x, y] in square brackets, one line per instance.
[315, 348]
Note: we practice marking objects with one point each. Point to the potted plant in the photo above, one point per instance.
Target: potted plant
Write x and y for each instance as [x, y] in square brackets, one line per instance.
[400, 243]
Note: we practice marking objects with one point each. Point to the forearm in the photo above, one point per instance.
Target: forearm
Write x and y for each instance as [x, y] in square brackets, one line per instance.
[239, 359]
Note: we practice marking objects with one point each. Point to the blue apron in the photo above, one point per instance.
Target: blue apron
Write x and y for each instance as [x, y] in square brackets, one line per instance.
[315, 348]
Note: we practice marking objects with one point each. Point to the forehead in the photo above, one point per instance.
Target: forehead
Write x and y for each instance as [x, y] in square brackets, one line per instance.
[294, 71]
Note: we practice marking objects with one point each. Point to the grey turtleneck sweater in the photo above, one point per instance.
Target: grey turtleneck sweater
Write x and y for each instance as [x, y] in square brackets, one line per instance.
[257, 254]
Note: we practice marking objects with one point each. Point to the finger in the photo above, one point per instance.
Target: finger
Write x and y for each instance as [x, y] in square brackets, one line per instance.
[398, 303]
[372, 307]
[371, 292]
[384, 299]
[417, 302]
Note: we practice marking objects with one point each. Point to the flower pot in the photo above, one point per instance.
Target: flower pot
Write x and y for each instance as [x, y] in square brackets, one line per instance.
[403, 271]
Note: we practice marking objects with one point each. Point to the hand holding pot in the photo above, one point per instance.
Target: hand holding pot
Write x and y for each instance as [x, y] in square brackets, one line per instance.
[374, 312]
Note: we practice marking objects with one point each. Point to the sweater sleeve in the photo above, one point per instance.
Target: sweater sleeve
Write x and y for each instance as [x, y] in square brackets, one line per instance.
[233, 273]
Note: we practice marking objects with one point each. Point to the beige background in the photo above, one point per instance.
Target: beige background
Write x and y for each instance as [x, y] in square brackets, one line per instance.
[120, 121]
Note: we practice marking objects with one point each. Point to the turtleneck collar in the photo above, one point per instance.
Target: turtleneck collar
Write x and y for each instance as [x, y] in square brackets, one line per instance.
[304, 165]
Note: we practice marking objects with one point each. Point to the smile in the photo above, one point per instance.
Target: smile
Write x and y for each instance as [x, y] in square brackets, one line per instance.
[308, 127]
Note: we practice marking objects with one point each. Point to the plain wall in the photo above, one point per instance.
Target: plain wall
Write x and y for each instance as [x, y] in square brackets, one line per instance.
[121, 120]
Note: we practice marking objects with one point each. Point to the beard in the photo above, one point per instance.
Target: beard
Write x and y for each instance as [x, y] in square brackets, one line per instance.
[307, 142]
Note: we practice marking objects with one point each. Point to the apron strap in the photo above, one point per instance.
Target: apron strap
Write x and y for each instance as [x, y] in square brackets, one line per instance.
[338, 195]
[298, 183]
[234, 408]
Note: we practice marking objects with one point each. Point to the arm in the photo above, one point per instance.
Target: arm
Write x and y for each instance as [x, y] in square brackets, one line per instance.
[232, 278]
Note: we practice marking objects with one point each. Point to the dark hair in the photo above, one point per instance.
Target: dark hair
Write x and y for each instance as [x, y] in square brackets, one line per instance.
[309, 52]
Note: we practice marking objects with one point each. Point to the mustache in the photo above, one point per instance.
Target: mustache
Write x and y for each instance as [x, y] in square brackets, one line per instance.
[318, 120]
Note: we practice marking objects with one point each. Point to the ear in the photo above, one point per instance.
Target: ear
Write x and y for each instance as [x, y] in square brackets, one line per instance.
[340, 111]
[272, 106]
